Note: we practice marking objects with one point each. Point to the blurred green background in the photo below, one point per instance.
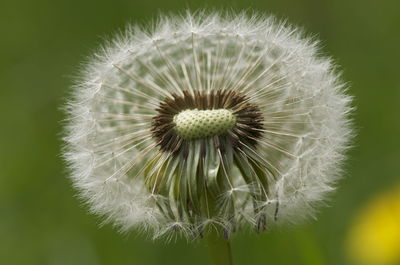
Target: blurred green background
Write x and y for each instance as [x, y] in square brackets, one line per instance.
[42, 43]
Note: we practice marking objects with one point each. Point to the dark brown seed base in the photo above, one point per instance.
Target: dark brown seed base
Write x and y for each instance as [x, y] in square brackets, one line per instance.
[249, 120]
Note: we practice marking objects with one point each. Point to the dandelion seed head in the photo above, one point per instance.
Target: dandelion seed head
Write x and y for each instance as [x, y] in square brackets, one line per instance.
[229, 120]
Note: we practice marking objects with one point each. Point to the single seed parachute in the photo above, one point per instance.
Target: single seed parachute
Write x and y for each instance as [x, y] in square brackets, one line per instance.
[209, 120]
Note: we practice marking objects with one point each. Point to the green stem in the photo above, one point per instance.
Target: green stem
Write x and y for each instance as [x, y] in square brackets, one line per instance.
[219, 248]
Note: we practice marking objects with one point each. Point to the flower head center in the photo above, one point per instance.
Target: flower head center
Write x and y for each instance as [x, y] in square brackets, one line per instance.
[225, 114]
[194, 124]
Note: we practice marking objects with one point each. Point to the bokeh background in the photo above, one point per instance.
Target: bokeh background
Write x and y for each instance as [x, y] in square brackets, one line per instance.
[43, 42]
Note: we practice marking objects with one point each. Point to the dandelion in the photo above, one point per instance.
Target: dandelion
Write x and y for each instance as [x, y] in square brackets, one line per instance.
[208, 122]
[374, 236]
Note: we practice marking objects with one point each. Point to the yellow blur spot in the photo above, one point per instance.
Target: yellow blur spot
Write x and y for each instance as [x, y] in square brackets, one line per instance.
[374, 237]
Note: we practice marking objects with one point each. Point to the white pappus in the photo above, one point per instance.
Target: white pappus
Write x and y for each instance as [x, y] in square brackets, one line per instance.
[221, 119]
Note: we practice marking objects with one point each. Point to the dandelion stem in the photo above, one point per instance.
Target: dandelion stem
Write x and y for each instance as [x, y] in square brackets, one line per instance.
[219, 248]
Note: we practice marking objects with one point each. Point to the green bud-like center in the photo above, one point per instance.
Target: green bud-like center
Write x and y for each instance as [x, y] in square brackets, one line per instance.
[195, 124]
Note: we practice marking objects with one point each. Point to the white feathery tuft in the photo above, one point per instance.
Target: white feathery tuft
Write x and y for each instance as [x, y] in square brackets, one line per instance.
[305, 134]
